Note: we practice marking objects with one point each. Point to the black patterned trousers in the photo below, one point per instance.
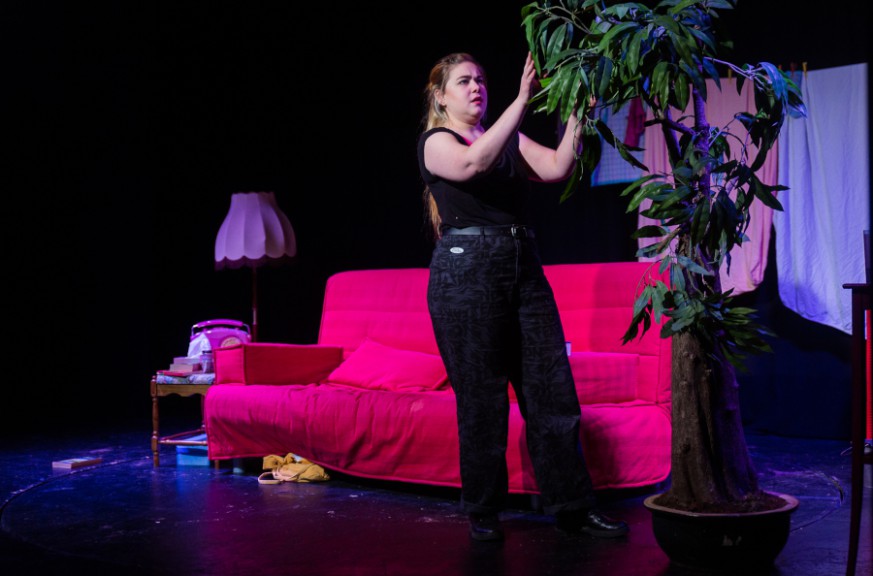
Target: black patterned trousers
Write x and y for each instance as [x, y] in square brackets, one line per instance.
[496, 322]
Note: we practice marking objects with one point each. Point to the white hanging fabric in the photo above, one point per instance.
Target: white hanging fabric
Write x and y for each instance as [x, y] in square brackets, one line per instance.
[824, 160]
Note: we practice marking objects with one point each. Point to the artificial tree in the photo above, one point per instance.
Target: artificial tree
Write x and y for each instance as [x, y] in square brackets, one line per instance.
[663, 53]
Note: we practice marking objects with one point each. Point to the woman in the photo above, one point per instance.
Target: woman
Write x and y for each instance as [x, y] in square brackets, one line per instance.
[493, 311]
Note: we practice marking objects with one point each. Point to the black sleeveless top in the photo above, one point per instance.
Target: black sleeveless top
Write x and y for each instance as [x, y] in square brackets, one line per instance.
[494, 198]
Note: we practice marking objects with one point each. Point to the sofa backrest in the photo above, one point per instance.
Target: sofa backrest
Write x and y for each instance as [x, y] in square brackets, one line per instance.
[387, 305]
[595, 302]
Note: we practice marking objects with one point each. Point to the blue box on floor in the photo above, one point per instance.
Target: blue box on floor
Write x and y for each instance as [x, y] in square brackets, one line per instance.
[192, 455]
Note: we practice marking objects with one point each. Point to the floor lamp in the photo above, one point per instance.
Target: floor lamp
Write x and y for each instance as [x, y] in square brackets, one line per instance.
[254, 232]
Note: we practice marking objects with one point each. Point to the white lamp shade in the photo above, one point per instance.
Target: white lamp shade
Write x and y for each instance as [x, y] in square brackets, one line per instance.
[254, 232]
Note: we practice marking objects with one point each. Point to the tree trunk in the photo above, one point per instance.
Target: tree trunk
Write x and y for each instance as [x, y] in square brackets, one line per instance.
[712, 470]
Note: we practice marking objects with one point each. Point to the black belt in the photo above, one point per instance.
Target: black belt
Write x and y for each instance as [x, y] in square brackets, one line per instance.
[514, 230]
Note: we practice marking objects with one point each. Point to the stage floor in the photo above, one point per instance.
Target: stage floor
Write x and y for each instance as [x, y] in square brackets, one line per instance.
[126, 517]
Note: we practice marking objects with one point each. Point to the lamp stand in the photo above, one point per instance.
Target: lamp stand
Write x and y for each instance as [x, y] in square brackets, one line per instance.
[254, 304]
[254, 231]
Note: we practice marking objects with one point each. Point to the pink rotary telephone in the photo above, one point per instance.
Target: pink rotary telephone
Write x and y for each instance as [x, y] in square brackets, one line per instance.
[212, 334]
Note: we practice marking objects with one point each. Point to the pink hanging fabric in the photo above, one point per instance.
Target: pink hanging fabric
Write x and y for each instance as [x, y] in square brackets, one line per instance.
[748, 260]
[636, 119]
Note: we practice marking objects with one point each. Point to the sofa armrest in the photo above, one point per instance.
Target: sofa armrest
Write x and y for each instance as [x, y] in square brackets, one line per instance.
[264, 363]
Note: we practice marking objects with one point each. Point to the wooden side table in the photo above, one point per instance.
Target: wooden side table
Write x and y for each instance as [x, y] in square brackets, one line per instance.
[182, 438]
[860, 404]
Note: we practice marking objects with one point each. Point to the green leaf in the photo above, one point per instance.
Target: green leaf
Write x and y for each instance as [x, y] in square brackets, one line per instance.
[681, 91]
[677, 279]
[712, 71]
[649, 251]
[679, 194]
[692, 266]
[591, 150]
[682, 319]
[631, 333]
[777, 79]
[682, 46]
[706, 40]
[645, 192]
[633, 51]
[722, 4]
[741, 80]
[613, 32]
[766, 143]
[637, 184]
[605, 132]
[642, 300]
[604, 75]
[699, 221]
[726, 168]
[658, 294]
[556, 88]
[572, 182]
[683, 174]
[663, 266]
[556, 42]
[671, 216]
[692, 75]
[682, 6]
[624, 152]
[660, 83]
[764, 193]
[571, 89]
[666, 22]
[650, 231]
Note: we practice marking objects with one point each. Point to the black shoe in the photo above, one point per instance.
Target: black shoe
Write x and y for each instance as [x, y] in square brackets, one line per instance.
[485, 527]
[591, 522]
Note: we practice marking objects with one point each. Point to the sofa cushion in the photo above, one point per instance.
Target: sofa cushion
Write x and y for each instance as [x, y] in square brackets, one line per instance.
[375, 366]
[604, 377]
[272, 363]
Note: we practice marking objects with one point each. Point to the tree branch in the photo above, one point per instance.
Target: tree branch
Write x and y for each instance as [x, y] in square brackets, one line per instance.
[741, 71]
[669, 127]
[673, 125]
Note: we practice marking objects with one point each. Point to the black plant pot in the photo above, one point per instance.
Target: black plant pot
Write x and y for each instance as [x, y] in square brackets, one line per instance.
[722, 541]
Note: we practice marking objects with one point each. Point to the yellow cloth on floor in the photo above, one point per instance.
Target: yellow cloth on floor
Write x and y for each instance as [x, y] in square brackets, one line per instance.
[291, 468]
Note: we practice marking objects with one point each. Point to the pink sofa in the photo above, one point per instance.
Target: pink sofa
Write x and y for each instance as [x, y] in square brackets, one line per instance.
[371, 399]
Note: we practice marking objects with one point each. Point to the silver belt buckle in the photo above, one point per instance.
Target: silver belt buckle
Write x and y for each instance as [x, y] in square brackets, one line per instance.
[517, 231]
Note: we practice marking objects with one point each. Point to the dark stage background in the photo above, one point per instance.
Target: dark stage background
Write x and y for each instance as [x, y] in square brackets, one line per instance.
[132, 123]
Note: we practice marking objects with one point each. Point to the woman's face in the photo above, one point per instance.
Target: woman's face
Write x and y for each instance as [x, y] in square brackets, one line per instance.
[465, 96]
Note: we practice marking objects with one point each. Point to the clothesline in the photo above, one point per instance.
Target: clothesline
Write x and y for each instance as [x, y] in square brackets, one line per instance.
[792, 67]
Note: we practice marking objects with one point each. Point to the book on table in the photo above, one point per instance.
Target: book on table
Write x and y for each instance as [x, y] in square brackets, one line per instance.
[175, 373]
[186, 365]
[185, 368]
